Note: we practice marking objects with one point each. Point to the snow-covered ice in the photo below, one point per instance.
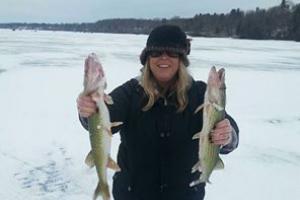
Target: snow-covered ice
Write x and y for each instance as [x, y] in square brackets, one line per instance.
[43, 146]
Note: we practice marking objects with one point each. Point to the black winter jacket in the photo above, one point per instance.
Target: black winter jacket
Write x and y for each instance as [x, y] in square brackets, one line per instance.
[157, 152]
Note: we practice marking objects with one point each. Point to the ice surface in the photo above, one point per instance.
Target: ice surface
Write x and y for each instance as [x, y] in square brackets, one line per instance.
[43, 146]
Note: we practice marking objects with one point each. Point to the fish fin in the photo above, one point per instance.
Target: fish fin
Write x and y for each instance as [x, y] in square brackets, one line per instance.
[218, 107]
[196, 167]
[108, 99]
[196, 182]
[89, 160]
[220, 164]
[113, 165]
[192, 184]
[102, 189]
[196, 136]
[199, 108]
[202, 179]
[114, 124]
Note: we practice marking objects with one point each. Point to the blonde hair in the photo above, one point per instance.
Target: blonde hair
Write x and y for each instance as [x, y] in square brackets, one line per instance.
[151, 87]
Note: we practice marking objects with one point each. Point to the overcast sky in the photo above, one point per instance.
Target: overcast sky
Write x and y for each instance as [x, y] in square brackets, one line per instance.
[57, 11]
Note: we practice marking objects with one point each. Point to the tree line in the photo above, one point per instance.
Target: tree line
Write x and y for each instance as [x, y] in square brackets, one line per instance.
[279, 22]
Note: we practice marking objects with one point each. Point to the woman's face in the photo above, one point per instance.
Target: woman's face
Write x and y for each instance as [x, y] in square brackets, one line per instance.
[164, 66]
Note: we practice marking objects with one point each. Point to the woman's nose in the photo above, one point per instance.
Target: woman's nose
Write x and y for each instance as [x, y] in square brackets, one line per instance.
[164, 55]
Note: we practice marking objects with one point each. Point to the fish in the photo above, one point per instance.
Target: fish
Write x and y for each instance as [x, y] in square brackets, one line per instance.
[213, 112]
[99, 125]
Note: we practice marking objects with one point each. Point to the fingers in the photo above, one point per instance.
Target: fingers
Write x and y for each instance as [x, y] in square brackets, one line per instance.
[223, 123]
[221, 140]
[86, 106]
[222, 134]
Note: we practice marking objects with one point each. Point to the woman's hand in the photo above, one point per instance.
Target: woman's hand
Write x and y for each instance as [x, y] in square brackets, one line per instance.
[86, 106]
[222, 133]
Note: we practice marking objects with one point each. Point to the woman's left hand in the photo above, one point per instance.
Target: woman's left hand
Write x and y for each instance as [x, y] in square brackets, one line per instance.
[222, 133]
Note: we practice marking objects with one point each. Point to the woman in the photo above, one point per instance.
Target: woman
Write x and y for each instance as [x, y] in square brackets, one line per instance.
[157, 152]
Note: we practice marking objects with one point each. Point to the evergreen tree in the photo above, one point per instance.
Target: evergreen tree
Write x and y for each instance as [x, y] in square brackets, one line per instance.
[283, 4]
[279, 22]
[296, 23]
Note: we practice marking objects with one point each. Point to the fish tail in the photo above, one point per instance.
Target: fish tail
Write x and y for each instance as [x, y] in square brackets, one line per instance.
[202, 179]
[102, 189]
[196, 182]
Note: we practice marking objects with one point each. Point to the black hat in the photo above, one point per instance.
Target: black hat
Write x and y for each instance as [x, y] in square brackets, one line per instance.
[167, 37]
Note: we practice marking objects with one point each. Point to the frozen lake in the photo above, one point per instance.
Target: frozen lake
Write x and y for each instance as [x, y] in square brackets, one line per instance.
[43, 145]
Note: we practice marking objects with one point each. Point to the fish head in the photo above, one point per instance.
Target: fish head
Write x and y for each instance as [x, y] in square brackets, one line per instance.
[94, 78]
[216, 86]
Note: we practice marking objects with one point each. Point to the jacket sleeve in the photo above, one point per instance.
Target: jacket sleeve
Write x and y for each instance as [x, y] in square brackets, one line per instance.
[235, 137]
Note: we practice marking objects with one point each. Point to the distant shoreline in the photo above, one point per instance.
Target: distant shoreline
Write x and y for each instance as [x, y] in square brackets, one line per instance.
[280, 22]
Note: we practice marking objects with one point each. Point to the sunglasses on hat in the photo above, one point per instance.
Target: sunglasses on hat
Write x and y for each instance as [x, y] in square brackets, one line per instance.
[158, 53]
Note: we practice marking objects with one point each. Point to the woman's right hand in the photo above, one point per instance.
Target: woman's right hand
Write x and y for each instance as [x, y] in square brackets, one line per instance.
[86, 106]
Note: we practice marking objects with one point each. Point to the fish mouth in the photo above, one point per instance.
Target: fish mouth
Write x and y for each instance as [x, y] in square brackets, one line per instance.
[221, 74]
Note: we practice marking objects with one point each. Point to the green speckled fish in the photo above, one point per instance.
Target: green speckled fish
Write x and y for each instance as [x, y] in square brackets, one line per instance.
[99, 125]
[213, 112]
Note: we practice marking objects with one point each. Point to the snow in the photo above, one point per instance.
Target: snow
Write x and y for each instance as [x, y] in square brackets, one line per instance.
[43, 145]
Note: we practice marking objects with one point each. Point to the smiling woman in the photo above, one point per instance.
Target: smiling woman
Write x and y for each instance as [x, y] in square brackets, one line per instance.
[164, 68]
[157, 152]
[165, 61]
